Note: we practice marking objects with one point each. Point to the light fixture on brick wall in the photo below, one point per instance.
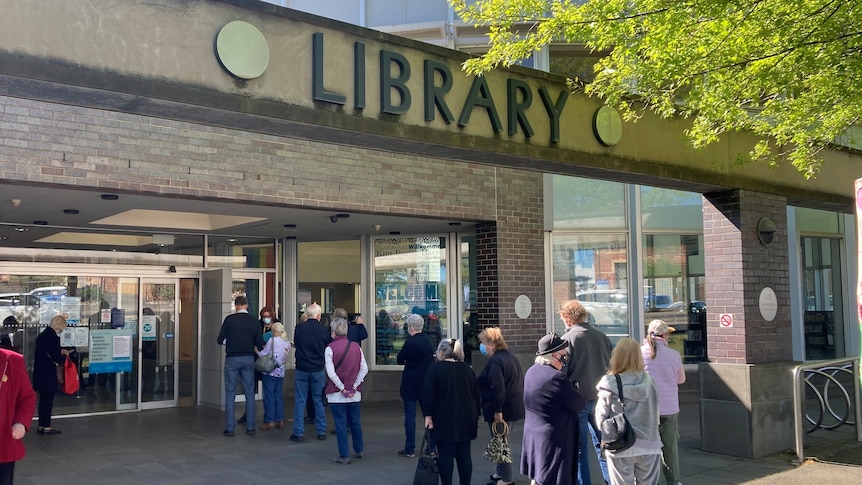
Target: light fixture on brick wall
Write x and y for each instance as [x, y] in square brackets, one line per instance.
[766, 231]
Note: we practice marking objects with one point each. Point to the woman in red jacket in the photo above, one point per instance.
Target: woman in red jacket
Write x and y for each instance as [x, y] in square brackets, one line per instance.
[17, 404]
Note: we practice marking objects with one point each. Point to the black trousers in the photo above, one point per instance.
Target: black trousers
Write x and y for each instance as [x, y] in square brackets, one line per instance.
[454, 451]
[46, 406]
[7, 470]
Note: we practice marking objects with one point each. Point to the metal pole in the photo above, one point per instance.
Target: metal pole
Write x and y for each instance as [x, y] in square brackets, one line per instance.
[797, 413]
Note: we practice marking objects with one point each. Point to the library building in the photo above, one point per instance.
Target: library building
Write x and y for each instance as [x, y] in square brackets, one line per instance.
[158, 159]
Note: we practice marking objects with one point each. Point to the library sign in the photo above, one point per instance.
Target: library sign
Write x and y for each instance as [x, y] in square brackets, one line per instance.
[242, 50]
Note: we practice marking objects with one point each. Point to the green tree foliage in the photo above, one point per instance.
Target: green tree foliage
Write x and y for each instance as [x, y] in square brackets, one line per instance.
[788, 71]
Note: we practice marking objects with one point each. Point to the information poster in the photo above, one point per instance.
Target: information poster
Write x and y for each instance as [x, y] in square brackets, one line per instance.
[111, 351]
[148, 327]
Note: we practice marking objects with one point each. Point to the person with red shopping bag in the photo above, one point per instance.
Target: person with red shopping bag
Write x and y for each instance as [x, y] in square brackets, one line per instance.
[46, 358]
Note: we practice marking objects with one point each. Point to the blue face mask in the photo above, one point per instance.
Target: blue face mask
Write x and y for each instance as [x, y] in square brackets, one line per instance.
[267, 320]
[482, 349]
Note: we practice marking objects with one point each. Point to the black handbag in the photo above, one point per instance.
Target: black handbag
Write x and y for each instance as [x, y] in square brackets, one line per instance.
[427, 469]
[617, 432]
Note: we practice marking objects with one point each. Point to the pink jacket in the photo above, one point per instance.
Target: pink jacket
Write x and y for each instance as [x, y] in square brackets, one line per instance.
[666, 370]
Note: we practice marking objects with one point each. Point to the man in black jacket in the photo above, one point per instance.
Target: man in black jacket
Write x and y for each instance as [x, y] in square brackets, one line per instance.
[310, 339]
[416, 356]
[240, 334]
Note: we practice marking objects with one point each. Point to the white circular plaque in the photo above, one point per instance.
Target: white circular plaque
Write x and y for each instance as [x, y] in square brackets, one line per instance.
[523, 306]
[768, 304]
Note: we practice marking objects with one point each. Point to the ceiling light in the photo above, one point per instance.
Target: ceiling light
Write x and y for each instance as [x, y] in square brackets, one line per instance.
[288, 227]
[454, 223]
[40, 223]
[71, 211]
[110, 196]
[231, 239]
[20, 229]
[394, 233]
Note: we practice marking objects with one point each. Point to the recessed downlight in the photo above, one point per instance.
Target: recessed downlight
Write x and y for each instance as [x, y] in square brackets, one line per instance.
[110, 196]
[71, 211]
[40, 223]
[394, 233]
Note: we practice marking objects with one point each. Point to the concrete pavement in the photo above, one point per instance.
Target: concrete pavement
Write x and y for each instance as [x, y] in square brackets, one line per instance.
[186, 446]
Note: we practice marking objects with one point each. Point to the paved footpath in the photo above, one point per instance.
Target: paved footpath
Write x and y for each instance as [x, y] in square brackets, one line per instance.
[186, 446]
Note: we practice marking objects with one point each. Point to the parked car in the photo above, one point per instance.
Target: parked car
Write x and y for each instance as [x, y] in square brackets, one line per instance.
[24, 308]
[607, 307]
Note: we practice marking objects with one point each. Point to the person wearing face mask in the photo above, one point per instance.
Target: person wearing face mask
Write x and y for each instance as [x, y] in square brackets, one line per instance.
[47, 357]
[549, 451]
[416, 356]
[501, 385]
[266, 320]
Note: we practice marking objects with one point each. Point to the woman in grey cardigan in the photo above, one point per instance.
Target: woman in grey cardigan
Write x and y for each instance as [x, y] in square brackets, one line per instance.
[640, 464]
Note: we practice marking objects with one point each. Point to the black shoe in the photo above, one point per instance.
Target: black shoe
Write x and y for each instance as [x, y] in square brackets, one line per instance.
[227, 433]
[298, 439]
[321, 437]
[249, 432]
[242, 420]
[407, 454]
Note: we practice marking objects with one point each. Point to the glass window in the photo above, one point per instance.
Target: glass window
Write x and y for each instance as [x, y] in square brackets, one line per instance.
[409, 278]
[821, 297]
[675, 289]
[669, 209]
[580, 203]
[592, 268]
[239, 252]
[816, 221]
[95, 307]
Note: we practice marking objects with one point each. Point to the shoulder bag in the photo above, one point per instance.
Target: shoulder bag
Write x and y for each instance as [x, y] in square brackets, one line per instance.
[617, 432]
[427, 469]
[267, 363]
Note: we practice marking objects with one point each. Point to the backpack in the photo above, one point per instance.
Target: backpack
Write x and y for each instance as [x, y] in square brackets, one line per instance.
[617, 432]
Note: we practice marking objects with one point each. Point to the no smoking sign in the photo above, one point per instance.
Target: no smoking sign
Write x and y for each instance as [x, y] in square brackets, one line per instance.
[725, 320]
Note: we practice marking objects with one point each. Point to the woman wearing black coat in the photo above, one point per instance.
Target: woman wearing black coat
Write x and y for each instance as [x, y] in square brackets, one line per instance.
[451, 406]
[47, 357]
[502, 386]
[549, 454]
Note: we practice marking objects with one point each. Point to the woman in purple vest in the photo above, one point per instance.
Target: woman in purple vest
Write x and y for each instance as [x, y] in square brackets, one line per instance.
[346, 368]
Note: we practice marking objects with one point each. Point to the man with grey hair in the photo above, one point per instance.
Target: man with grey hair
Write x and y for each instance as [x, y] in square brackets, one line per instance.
[310, 339]
[416, 356]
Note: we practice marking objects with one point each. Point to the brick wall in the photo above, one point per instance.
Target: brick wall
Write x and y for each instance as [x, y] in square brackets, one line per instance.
[104, 150]
[738, 267]
[511, 260]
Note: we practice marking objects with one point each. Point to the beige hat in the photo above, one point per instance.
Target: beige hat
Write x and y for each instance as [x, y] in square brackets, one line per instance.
[660, 327]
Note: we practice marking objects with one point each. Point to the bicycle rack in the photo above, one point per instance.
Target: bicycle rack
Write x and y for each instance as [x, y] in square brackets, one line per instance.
[808, 376]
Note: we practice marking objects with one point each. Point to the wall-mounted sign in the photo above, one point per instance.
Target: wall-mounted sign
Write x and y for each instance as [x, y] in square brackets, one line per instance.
[725, 320]
[523, 306]
[242, 50]
[768, 304]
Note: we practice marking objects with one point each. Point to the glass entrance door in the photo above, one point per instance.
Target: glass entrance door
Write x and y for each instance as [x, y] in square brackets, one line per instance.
[158, 343]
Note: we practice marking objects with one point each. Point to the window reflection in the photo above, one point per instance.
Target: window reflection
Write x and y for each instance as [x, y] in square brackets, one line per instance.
[409, 278]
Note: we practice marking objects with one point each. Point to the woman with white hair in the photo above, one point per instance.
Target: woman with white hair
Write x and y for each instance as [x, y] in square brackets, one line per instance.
[273, 395]
[452, 405]
[47, 357]
[346, 369]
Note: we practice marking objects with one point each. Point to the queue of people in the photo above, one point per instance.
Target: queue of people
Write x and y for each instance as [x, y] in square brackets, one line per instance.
[563, 399]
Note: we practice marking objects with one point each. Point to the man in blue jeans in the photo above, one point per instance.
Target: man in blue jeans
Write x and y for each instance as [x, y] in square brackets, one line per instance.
[590, 355]
[240, 334]
[310, 339]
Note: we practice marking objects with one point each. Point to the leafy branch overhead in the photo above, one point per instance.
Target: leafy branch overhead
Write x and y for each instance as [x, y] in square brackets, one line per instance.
[789, 71]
